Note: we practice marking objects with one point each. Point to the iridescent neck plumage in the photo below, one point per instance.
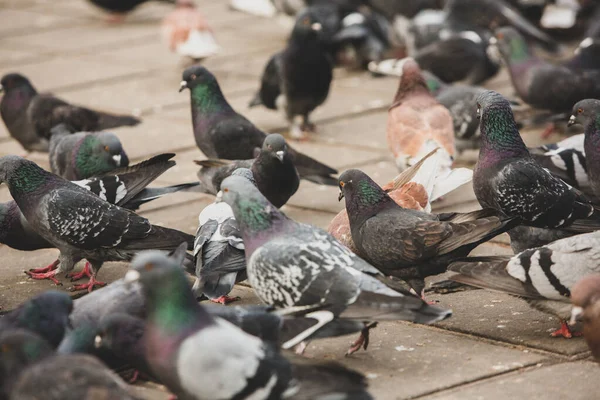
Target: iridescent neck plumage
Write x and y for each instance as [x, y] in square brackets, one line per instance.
[258, 220]
[500, 138]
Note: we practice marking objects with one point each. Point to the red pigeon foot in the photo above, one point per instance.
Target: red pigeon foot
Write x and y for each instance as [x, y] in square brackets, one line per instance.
[565, 331]
[225, 300]
[549, 130]
[363, 339]
[92, 283]
[47, 275]
[49, 268]
[86, 272]
[134, 378]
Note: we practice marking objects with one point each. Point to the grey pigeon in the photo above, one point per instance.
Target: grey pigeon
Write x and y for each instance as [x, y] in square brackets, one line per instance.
[587, 113]
[417, 244]
[35, 372]
[46, 314]
[273, 169]
[539, 83]
[509, 180]
[85, 154]
[292, 264]
[219, 250]
[297, 79]
[543, 276]
[79, 223]
[125, 187]
[586, 55]
[585, 296]
[30, 116]
[122, 6]
[221, 132]
[207, 357]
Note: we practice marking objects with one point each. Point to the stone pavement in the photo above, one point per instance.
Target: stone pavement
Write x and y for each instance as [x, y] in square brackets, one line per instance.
[494, 347]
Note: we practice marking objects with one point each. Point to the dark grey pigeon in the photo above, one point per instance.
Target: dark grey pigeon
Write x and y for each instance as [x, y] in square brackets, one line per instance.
[509, 180]
[199, 356]
[30, 116]
[586, 55]
[417, 244]
[273, 170]
[219, 250]
[540, 83]
[82, 155]
[119, 7]
[291, 264]
[46, 314]
[221, 132]
[587, 113]
[80, 224]
[297, 79]
[543, 276]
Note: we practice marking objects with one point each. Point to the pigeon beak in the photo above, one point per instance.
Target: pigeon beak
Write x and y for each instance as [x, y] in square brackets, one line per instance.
[182, 86]
[571, 121]
[131, 276]
[219, 197]
[340, 196]
[98, 341]
[279, 154]
[575, 314]
[117, 159]
[316, 26]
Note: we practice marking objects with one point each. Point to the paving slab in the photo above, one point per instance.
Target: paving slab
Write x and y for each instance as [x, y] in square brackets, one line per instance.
[575, 381]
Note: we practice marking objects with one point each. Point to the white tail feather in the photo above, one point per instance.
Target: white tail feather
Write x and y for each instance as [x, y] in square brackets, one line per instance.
[260, 8]
[200, 44]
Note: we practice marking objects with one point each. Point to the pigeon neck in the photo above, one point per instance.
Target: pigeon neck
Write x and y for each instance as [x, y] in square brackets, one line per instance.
[86, 160]
[592, 153]
[27, 183]
[367, 199]
[16, 101]
[79, 340]
[410, 87]
[208, 99]
[500, 138]
[258, 220]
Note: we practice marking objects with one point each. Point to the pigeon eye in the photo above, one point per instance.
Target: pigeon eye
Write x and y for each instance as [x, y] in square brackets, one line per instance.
[106, 148]
[149, 267]
[306, 21]
[193, 76]
[225, 190]
[580, 111]
[500, 35]
[342, 184]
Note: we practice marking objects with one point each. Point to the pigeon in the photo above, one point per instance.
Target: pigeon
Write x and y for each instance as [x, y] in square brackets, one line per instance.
[35, 372]
[587, 113]
[543, 276]
[198, 356]
[273, 171]
[220, 132]
[79, 223]
[29, 116]
[586, 55]
[539, 83]
[418, 244]
[585, 295]
[219, 250]
[507, 178]
[126, 188]
[186, 31]
[392, 8]
[46, 314]
[85, 154]
[291, 264]
[415, 189]
[297, 79]
[417, 123]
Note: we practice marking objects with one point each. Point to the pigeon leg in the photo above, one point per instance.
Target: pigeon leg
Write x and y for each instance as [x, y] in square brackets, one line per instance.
[296, 131]
[92, 283]
[134, 378]
[86, 272]
[48, 272]
[225, 300]
[549, 130]
[363, 339]
[308, 126]
[565, 331]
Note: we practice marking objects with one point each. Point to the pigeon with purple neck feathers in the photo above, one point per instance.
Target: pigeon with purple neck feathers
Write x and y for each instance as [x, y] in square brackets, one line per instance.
[543, 276]
[198, 356]
[81, 155]
[221, 132]
[29, 116]
[509, 180]
[292, 264]
[273, 170]
[80, 224]
[418, 244]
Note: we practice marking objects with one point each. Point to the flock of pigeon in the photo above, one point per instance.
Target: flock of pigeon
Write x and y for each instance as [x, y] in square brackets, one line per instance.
[370, 265]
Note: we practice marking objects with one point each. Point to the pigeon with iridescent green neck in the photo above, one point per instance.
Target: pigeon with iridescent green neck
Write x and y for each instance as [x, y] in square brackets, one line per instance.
[82, 155]
[221, 132]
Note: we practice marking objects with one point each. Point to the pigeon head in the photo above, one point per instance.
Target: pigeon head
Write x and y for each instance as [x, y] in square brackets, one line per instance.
[587, 113]
[275, 145]
[12, 82]
[99, 153]
[360, 192]
[46, 314]
[511, 45]
[18, 349]
[78, 340]
[585, 297]
[411, 79]
[196, 76]
[245, 173]
[21, 175]
[308, 24]
[116, 328]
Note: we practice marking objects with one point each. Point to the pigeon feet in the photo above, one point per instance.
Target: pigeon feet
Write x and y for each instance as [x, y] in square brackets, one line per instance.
[49, 268]
[115, 18]
[86, 272]
[363, 339]
[565, 331]
[48, 272]
[225, 300]
[549, 130]
[92, 283]
[134, 378]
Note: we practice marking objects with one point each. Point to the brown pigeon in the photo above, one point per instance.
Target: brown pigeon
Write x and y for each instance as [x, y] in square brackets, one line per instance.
[585, 297]
[417, 123]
